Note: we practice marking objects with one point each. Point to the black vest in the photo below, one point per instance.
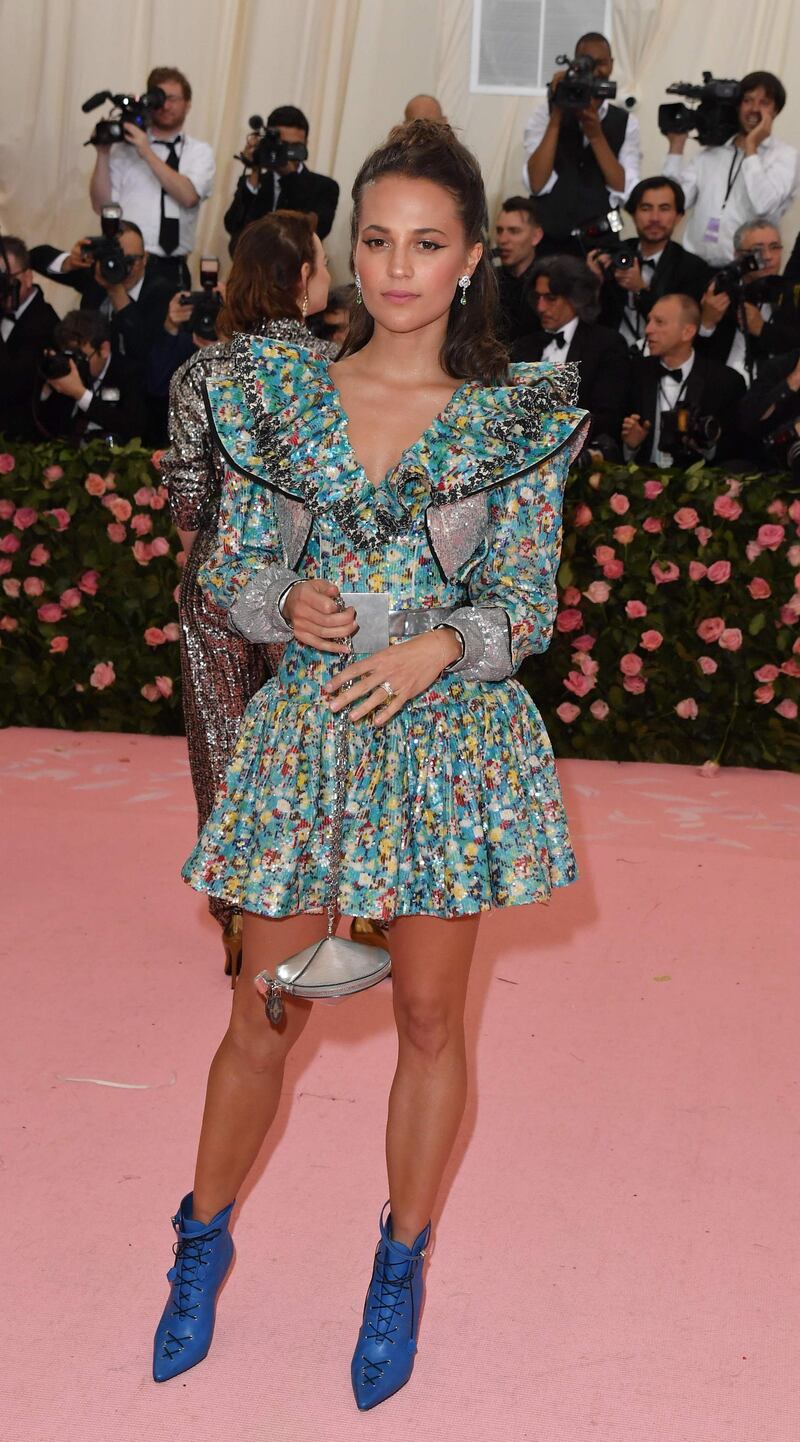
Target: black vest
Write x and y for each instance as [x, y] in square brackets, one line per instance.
[580, 192]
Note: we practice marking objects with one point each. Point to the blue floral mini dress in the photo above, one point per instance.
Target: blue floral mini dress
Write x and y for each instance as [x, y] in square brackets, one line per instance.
[454, 806]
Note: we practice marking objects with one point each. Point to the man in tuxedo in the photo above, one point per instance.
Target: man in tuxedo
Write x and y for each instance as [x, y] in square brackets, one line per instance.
[135, 305]
[564, 294]
[290, 187]
[672, 378]
[654, 264]
[517, 234]
[102, 393]
[760, 317]
[772, 408]
[27, 323]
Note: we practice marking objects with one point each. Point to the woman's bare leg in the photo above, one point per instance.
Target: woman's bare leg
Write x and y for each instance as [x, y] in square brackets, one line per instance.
[431, 960]
[246, 1076]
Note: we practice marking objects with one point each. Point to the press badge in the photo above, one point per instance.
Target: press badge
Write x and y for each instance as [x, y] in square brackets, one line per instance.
[372, 616]
[711, 235]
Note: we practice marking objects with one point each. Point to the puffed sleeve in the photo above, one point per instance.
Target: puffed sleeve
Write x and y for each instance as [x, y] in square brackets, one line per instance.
[247, 575]
[188, 467]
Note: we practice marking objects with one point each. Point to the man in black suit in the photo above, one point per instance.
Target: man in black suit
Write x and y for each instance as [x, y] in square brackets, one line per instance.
[27, 323]
[772, 408]
[102, 392]
[289, 187]
[653, 263]
[743, 326]
[676, 379]
[564, 294]
[135, 305]
[517, 234]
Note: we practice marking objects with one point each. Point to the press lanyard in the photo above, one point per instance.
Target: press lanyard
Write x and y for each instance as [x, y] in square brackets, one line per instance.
[663, 399]
[733, 173]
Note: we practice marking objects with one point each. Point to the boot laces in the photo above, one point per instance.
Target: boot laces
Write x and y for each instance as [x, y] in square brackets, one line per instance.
[388, 1293]
[191, 1253]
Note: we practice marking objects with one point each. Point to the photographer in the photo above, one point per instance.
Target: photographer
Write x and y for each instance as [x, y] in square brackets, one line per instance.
[159, 176]
[749, 315]
[681, 406]
[27, 323]
[121, 286]
[87, 390]
[580, 163]
[517, 234]
[769, 415]
[751, 174]
[638, 272]
[283, 184]
[190, 325]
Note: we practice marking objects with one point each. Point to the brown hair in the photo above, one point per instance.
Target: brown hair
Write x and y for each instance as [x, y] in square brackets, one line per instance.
[429, 150]
[265, 274]
[168, 72]
[12, 245]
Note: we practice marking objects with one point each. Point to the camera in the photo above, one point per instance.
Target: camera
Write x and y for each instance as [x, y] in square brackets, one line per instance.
[784, 444]
[601, 232]
[112, 262]
[56, 364]
[271, 153]
[685, 432]
[730, 278]
[579, 87]
[714, 120]
[206, 303]
[130, 110]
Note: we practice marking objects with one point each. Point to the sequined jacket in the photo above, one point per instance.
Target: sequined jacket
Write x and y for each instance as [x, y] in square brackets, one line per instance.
[487, 475]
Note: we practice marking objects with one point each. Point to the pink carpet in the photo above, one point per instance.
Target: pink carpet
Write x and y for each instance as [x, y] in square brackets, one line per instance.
[617, 1258]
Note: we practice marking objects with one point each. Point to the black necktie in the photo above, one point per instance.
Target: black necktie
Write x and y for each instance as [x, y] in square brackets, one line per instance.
[560, 339]
[670, 375]
[170, 228]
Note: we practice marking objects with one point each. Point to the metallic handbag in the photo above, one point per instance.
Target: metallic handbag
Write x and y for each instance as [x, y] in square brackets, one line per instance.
[334, 966]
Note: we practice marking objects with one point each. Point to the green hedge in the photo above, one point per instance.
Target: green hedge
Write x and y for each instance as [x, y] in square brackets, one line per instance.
[676, 639]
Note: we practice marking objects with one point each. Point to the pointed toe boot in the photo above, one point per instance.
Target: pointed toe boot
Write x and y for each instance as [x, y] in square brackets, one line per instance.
[203, 1255]
[387, 1343]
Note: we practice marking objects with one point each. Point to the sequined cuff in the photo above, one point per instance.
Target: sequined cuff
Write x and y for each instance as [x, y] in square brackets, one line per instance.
[486, 634]
[254, 613]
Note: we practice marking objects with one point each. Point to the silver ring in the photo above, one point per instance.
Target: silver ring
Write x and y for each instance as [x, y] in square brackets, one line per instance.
[389, 691]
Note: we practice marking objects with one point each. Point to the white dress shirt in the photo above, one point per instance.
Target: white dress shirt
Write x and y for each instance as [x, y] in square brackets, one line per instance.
[630, 154]
[138, 190]
[9, 321]
[760, 184]
[558, 353]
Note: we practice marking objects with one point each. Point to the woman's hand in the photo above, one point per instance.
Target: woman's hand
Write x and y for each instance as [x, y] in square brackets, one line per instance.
[313, 610]
[408, 668]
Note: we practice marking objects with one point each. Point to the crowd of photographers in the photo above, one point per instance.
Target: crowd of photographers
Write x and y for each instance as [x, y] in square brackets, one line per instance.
[686, 349]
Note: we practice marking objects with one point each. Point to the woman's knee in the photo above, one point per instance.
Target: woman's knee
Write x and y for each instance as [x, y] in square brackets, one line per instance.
[428, 1026]
[259, 1045]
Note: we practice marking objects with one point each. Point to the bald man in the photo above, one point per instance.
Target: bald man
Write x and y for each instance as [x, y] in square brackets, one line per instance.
[424, 107]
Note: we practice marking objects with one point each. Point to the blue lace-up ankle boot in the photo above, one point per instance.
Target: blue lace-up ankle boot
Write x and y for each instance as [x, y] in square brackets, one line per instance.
[384, 1357]
[203, 1254]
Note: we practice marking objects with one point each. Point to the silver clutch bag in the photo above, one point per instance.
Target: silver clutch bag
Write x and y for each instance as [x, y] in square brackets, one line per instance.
[331, 967]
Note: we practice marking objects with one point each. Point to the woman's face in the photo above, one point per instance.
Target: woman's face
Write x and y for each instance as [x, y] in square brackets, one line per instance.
[410, 251]
[318, 282]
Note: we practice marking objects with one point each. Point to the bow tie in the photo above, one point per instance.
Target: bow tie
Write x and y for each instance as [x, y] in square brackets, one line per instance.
[559, 338]
[670, 375]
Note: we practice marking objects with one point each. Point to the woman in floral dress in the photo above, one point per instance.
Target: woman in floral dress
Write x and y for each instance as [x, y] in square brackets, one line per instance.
[421, 467]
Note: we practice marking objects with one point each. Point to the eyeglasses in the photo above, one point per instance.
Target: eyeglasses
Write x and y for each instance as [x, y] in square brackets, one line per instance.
[773, 247]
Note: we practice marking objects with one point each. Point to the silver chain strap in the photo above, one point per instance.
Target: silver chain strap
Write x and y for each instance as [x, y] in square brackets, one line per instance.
[341, 759]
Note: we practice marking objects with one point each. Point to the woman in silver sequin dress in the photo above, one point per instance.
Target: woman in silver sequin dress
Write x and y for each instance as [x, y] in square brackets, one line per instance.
[278, 277]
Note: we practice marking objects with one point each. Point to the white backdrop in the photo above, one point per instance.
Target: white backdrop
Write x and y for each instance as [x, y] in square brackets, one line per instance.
[349, 64]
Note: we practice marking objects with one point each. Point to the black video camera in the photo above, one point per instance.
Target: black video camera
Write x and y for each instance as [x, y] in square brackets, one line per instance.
[112, 262]
[684, 433]
[579, 87]
[271, 153]
[206, 303]
[130, 110]
[601, 232]
[730, 278]
[713, 121]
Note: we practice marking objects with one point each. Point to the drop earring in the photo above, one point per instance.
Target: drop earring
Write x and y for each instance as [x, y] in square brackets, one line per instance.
[304, 306]
[464, 282]
[359, 297]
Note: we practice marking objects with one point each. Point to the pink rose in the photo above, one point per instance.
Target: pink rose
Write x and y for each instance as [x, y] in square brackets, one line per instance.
[787, 709]
[9, 544]
[703, 535]
[768, 537]
[585, 663]
[110, 480]
[142, 496]
[759, 588]
[583, 643]
[635, 684]
[652, 524]
[619, 504]
[24, 517]
[612, 570]
[697, 571]
[790, 668]
[579, 684]
[142, 552]
[154, 636]
[650, 640]
[7, 509]
[727, 507]
[788, 615]
[39, 556]
[116, 532]
[752, 550]
[176, 594]
[142, 525]
[33, 586]
[630, 664]
[687, 709]
[12, 587]
[150, 692]
[156, 458]
[164, 684]
[103, 675]
[51, 474]
[707, 665]
[598, 592]
[719, 572]
[708, 768]
[120, 509]
[95, 484]
[635, 610]
[569, 620]
[158, 500]
[88, 582]
[652, 490]
[582, 516]
[602, 554]
[763, 695]
[794, 511]
[50, 612]
[5, 566]
[664, 574]
[59, 645]
[767, 673]
[172, 631]
[793, 555]
[731, 639]
[734, 486]
[7, 463]
[711, 629]
[686, 518]
[624, 534]
[572, 596]
[777, 508]
[599, 710]
[71, 598]
[568, 713]
[8, 623]
[61, 516]
[160, 546]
